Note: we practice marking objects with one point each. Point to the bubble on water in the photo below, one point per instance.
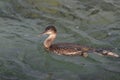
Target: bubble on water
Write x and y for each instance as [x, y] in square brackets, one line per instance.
[26, 35]
[109, 33]
[77, 27]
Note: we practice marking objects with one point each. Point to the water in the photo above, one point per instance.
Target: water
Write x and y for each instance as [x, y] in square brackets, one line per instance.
[94, 23]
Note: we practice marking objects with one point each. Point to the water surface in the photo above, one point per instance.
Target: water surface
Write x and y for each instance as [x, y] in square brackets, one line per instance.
[93, 23]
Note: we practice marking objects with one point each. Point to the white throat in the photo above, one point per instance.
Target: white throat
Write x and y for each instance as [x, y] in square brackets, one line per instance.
[49, 40]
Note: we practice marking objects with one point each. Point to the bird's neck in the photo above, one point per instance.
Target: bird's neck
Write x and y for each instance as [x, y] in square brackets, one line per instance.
[49, 40]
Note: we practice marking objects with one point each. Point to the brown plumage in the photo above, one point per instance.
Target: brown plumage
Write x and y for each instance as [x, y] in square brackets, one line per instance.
[69, 48]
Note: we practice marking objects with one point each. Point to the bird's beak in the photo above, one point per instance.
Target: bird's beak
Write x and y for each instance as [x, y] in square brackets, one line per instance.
[41, 34]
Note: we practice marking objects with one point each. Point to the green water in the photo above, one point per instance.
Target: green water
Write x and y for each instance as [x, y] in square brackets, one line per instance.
[88, 22]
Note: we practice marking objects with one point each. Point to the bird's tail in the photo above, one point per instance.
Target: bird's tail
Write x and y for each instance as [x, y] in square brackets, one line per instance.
[105, 52]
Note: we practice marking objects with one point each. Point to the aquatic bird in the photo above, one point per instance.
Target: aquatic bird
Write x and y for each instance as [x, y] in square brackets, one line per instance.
[69, 48]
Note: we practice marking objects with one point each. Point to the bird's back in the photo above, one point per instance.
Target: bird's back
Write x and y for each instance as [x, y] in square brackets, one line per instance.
[68, 49]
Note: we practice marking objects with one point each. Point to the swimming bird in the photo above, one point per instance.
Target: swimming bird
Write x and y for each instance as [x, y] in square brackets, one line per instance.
[69, 48]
